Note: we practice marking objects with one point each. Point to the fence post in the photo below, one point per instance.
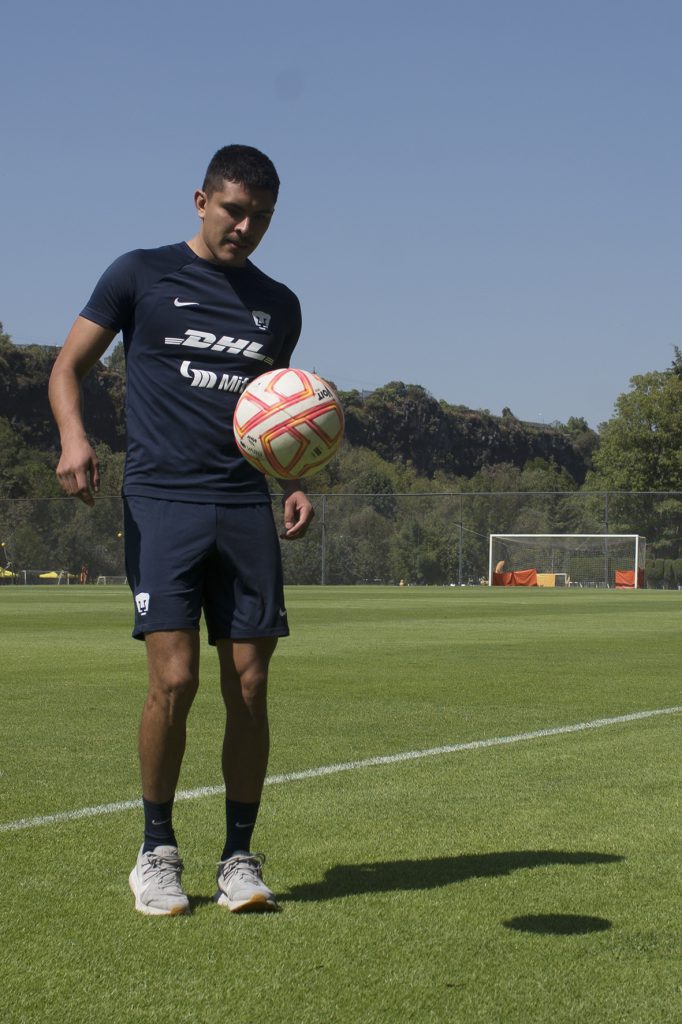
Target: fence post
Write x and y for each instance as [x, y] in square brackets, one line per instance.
[606, 543]
[323, 544]
[461, 537]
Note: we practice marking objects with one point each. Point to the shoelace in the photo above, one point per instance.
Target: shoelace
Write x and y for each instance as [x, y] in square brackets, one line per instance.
[244, 866]
[166, 869]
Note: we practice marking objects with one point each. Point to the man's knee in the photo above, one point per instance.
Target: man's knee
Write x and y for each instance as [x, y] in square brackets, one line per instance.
[173, 670]
[172, 689]
[254, 692]
[244, 675]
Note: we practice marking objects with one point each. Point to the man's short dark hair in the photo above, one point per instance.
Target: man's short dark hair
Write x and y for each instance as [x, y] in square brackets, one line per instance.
[243, 165]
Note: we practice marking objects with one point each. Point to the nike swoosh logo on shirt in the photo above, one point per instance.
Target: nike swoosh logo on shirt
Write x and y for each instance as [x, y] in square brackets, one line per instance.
[248, 824]
[178, 303]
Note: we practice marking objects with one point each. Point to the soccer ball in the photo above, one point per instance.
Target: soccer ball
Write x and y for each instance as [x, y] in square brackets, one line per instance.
[288, 423]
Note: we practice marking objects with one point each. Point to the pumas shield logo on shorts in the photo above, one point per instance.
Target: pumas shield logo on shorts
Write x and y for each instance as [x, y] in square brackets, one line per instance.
[261, 319]
[142, 602]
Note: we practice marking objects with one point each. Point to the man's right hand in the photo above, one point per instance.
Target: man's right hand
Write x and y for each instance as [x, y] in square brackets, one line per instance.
[78, 471]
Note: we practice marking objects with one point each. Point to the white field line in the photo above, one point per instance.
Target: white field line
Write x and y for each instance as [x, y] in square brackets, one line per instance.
[348, 766]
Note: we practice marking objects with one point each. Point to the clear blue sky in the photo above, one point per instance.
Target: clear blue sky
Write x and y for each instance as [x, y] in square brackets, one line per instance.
[480, 197]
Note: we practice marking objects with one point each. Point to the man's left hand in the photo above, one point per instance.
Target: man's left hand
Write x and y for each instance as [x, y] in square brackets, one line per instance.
[298, 512]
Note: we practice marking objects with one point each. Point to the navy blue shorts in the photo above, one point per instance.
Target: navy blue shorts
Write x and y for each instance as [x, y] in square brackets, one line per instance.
[224, 560]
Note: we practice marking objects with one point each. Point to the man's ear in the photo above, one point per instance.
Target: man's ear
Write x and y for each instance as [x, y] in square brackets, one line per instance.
[200, 201]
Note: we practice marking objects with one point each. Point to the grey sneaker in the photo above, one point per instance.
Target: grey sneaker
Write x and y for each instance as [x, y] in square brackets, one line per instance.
[155, 882]
[241, 886]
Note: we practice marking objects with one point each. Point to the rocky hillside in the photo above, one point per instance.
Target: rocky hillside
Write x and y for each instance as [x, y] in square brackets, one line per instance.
[400, 422]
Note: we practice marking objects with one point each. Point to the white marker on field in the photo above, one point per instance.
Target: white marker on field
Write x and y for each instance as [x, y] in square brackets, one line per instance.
[347, 766]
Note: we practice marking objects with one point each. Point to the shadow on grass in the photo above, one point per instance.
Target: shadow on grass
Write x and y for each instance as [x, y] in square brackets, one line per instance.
[434, 873]
[558, 924]
[199, 901]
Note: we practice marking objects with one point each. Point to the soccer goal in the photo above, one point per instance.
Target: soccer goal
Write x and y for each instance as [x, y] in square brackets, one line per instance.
[567, 560]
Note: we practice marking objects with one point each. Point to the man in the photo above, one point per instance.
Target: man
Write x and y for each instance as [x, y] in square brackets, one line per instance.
[199, 321]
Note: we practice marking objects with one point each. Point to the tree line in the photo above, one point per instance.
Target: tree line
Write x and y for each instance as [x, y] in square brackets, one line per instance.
[502, 475]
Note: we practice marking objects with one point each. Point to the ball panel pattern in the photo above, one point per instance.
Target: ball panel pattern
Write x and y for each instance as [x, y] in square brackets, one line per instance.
[288, 423]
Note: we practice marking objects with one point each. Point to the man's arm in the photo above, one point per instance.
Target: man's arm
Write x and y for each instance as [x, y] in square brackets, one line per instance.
[78, 468]
[298, 510]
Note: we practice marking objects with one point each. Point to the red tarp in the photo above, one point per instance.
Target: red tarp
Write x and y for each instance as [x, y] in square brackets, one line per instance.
[626, 578]
[520, 578]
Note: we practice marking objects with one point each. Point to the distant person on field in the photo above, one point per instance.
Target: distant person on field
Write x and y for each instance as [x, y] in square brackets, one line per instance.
[199, 322]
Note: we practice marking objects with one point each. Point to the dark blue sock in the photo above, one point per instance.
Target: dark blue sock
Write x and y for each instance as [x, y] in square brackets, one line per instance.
[158, 825]
[241, 820]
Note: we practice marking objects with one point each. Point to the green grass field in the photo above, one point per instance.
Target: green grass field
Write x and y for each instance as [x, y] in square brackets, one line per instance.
[529, 881]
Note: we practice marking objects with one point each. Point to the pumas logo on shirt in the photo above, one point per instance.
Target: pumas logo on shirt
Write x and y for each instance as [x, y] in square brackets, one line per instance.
[261, 319]
[233, 346]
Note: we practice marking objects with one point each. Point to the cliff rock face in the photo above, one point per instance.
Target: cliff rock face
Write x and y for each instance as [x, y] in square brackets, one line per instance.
[404, 422]
[24, 374]
[400, 422]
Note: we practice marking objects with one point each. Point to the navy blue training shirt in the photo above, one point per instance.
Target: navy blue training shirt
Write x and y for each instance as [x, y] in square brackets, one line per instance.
[195, 333]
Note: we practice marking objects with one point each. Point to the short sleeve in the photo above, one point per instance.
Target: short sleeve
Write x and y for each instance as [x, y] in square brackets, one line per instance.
[112, 302]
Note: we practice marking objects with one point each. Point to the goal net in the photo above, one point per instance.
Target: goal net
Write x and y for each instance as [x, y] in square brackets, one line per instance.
[567, 560]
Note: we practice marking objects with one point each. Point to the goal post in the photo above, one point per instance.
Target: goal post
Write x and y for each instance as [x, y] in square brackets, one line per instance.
[571, 560]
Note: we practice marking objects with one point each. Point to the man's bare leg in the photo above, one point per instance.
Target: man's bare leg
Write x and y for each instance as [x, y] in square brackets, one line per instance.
[244, 683]
[173, 662]
[244, 680]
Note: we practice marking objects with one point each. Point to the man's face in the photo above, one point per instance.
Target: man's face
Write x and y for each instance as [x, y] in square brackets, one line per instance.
[233, 221]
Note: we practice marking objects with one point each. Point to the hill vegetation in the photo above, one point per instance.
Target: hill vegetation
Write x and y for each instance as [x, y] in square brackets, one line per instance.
[503, 475]
[401, 423]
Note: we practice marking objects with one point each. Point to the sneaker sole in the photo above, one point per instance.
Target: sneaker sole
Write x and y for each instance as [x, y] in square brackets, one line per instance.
[257, 904]
[144, 908]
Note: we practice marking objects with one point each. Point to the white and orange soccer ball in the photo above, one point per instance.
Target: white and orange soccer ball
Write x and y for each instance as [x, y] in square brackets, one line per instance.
[288, 423]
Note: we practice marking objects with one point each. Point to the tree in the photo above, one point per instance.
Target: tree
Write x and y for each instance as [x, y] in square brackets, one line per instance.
[117, 360]
[676, 366]
[24, 471]
[641, 450]
[641, 446]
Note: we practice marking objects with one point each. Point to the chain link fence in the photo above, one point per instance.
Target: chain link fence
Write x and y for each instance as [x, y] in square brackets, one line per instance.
[419, 539]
